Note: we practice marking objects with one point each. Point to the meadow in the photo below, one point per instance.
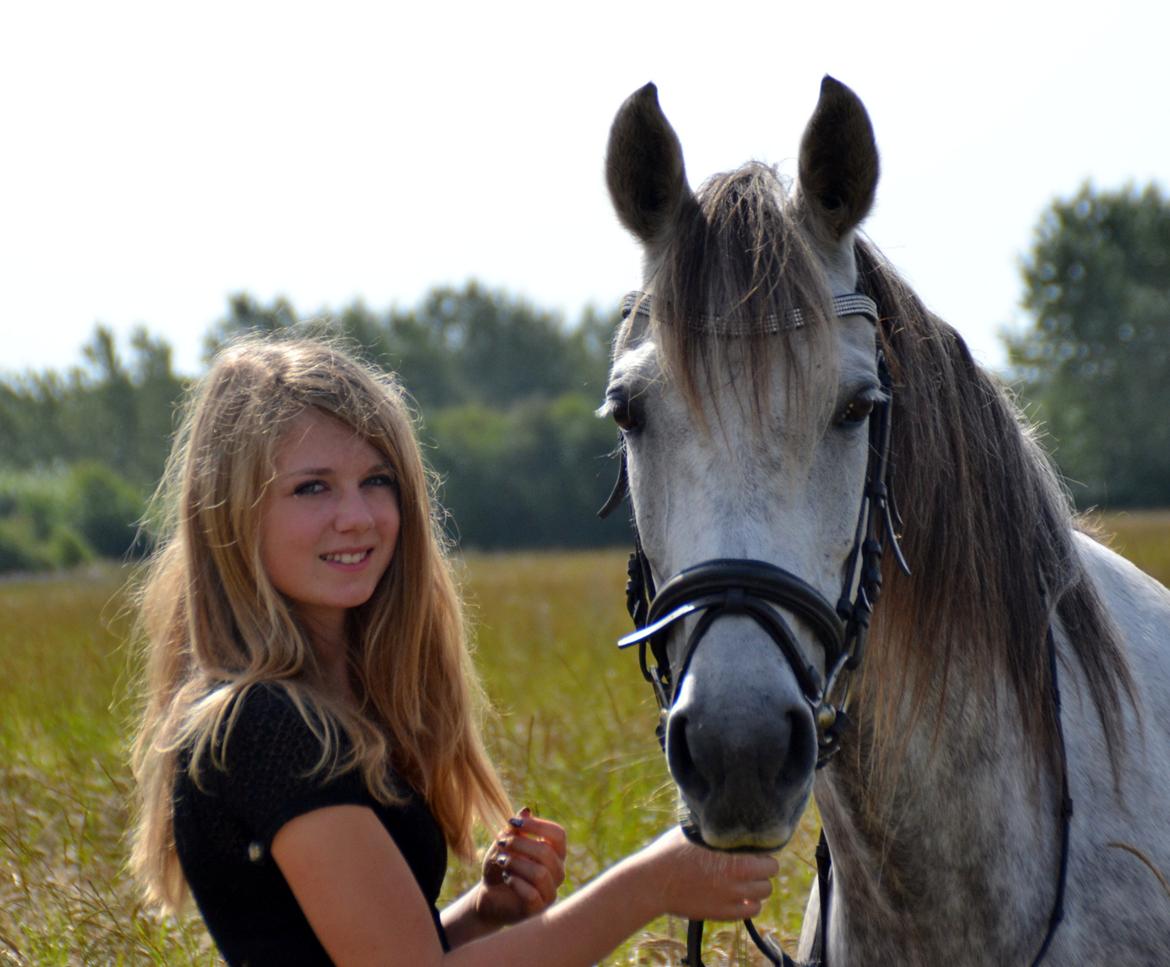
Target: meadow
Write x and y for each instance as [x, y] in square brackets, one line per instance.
[572, 733]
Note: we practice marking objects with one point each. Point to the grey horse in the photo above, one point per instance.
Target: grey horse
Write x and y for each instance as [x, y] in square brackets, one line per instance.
[1019, 668]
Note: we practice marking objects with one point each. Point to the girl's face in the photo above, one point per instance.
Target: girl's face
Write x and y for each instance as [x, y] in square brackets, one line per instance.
[329, 522]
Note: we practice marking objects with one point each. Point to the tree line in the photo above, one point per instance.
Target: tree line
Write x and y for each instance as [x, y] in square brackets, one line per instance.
[505, 394]
[506, 391]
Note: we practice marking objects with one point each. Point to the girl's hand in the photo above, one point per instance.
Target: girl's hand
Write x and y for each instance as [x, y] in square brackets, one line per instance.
[522, 870]
[703, 884]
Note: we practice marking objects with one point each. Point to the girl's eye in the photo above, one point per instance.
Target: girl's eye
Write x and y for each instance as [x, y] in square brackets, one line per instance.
[856, 411]
[381, 480]
[309, 487]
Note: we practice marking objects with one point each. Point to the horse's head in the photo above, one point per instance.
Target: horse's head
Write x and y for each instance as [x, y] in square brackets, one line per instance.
[743, 391]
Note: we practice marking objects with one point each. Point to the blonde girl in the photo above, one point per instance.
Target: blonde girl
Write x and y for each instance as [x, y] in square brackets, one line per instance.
[309, 746]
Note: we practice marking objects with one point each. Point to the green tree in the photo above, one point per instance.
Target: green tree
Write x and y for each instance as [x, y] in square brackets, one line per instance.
[458, 346]
[1096, 362]
[589, 348]
[502, 349]
[157, 391]
[113, 415]
[533, 475]
[246, 315]
[111, 411]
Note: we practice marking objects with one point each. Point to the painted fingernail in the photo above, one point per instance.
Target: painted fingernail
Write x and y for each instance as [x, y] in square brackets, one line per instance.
[506, 877]
[525, 813]
[501, 843]
[515, 821]
[501, 859]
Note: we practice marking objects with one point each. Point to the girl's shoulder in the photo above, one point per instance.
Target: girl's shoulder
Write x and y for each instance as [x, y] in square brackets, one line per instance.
[270, 759]
[266, 721]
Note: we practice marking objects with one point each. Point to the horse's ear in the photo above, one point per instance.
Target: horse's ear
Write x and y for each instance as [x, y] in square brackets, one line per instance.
[838, 159]
[644, 167]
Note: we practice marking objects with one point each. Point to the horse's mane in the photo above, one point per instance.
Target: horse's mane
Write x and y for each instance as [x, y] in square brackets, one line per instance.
[988, 526]
[988, 531]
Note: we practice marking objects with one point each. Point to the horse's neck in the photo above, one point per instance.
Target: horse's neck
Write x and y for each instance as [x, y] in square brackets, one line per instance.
[952, 859]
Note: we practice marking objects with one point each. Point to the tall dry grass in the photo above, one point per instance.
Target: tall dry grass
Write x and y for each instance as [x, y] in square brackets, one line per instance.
[65, 897]
[573, 736]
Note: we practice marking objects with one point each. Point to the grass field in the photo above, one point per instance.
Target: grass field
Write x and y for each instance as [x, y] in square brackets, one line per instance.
[574, 738]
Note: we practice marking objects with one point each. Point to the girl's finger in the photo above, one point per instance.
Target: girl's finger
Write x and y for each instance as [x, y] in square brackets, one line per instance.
[758, 867]
[552, 833]
[529, 896]
[756, 890]
[747, 909]
[539, 852]
[535, 875]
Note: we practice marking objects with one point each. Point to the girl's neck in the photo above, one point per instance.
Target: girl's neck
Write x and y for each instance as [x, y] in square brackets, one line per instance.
[331, 648]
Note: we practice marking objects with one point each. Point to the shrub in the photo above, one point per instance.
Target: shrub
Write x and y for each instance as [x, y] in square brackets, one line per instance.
[104, 509]
[19, 550]
[68, 549]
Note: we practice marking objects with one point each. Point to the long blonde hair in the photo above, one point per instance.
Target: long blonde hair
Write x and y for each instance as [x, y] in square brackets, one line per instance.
[213, 625]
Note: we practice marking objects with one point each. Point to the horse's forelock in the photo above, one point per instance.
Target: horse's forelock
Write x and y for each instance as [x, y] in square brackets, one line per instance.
[738, 254]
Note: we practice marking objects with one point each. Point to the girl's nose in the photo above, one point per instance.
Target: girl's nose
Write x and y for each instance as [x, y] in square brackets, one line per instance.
[353, 513]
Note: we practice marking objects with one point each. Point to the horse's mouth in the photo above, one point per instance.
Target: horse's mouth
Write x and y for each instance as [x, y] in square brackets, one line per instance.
[741, 841]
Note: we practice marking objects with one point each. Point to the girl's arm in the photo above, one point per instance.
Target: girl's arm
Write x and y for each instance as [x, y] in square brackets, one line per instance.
[360, 897]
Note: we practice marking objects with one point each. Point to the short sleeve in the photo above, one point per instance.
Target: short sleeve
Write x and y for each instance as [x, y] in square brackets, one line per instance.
[272, 768]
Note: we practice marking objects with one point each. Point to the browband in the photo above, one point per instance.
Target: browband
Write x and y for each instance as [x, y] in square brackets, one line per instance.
[850, 304]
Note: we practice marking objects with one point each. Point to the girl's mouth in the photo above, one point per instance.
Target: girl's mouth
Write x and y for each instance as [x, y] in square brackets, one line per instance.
[347, 557]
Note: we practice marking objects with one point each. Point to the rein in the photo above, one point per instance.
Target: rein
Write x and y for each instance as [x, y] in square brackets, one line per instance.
[715, 588]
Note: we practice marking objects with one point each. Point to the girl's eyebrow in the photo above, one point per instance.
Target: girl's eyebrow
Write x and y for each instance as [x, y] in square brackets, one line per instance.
[380, 467]
[308, 472]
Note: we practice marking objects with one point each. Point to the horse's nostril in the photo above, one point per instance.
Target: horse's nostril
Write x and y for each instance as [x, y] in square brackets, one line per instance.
[801, 757]
[784, 756]
[682, 764]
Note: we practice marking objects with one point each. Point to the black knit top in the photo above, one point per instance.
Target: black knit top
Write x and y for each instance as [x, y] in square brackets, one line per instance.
[224, 833]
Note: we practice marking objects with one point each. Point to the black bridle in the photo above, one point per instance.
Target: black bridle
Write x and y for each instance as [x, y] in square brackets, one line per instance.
[724, 586]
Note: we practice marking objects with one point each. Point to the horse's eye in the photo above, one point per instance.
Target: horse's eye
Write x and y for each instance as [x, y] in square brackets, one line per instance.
[856, 411]
[623, 411]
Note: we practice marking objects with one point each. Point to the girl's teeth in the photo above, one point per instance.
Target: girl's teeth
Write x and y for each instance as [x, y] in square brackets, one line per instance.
[345, 558]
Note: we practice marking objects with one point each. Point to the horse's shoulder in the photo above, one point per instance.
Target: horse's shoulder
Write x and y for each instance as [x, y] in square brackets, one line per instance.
[1122, 584]
[1139, 606]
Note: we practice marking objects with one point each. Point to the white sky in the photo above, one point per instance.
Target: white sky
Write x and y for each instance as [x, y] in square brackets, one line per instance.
[156, 157]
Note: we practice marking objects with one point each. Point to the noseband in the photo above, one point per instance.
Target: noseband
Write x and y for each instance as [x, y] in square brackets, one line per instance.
[727, 586]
